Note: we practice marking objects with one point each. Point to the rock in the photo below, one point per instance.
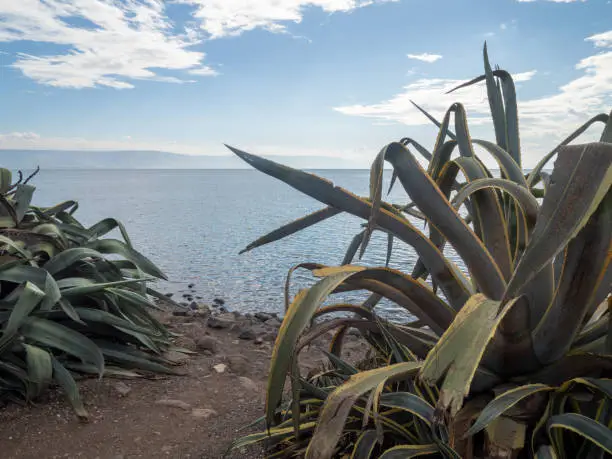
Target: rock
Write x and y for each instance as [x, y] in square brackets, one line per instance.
[182, 303]
[248, 334]
[203, 310]
[193, 306]
[248, 315]
[186, 295]
[262, 316]
[221, 321]
[185, 342]
[176, 357]
[191, 286]
[238, 364]
[220, 367]
[237, 314]
[219, 301]
[203, 413]
[259, 340]
[174, 404]
[181, 313]
[248, 384]
[207, 343]
[198, 297]
[169, 295]
[270, 337]
[122, 389]
[273, 322]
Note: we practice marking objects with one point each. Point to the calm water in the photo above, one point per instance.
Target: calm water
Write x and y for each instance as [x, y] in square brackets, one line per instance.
[194, 223]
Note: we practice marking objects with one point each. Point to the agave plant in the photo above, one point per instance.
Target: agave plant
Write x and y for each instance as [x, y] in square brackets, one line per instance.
[509, 360]
[66, 307]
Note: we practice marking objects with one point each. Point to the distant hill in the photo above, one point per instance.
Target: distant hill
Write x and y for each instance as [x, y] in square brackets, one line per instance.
[62, 159]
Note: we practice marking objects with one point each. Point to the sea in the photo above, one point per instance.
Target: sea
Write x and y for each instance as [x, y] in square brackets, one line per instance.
[194, 223]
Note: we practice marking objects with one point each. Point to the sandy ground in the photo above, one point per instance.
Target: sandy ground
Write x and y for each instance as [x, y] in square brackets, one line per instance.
[192, 416]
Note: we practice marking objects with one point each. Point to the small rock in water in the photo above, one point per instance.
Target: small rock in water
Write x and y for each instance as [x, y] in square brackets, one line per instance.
[220, 367]
[193, 306]
[219, 301]
[248, 334]
[198, 297]
[174, 403]
[191, 286]
[169, 295]
[122, 388]
[186, 295]
[203, 413]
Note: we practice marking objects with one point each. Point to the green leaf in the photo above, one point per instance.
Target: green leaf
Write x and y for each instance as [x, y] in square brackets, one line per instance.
[55, 335]
[67, 258]
[293, 227]
[341, 401]
[113, 246]
[40, 369]
[592, 430]
[503, 403]
[407, 451]
[22, 198]
[409, 402]
[105, 226]
[459, 351]
[364, 446]
[29, 298]
[66, 381]
[6, 180]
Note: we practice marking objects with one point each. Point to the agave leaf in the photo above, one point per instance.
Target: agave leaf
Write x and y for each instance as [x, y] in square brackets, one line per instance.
[534, 175]
[6, 180]
[87, 287]
[340, 402]
[66, 381]
[29, 298]
[503, 403]
[351, 251]
[67, 258]
[581, 179]
[293, 227]
[324, 191]
[592, 430]
[606, 135]
[587, 258]
[364, 446]
[58, 336]
[22, 198]
[495, 103]
[113, 246]
[432, 119]
[546, 452]
[407, 451]
[40, 369]
[297, 318]
[25, 253]
[126, 356]
[105, 226]
[411, 403]
[424, 192]
[459, 351]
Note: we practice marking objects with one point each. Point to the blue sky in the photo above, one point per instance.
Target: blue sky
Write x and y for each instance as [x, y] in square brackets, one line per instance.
[290, 77]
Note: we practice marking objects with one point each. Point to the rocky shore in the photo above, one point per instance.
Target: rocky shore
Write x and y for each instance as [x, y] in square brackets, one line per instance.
[196, 415]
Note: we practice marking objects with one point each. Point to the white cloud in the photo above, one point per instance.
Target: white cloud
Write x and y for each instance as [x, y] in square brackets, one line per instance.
[19, 137]
[503, 26]
[601, 40]
[425, 57]
[221, 18]
[108, 43]
[543, 120]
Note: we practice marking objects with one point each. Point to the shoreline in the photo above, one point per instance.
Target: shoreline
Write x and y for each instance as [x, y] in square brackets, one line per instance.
[197, 414]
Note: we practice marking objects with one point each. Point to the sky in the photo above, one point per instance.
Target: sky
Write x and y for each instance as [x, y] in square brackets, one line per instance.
[291, 77]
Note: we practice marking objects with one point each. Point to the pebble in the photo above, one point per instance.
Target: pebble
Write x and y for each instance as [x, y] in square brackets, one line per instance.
[207, 343]
[122, 388]
[221, 321]
[176, 357]
[203, 413]
[220, 367]
[247, 334]
[248, 384]
[174, 403]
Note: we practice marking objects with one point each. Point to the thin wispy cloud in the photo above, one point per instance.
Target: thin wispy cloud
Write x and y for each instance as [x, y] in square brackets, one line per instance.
[547, 118]
[221, 18]
[425, 57]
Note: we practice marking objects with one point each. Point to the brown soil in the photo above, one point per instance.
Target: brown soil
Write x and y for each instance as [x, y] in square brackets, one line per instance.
[137, 425]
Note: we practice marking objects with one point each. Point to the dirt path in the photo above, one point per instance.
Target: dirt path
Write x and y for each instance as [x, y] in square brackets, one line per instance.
[192, 416]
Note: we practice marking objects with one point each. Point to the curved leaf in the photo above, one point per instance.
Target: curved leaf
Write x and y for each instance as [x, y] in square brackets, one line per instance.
[592, 430]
